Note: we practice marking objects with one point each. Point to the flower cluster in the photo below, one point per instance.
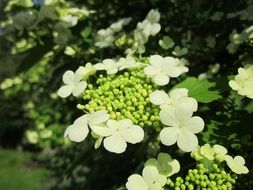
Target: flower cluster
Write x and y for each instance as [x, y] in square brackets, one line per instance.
[132, 95]
[243, 82]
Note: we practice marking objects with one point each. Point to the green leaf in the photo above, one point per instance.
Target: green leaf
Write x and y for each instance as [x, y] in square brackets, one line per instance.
[202, 90]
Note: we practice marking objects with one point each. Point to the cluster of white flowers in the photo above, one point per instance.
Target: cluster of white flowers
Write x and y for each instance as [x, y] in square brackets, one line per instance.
[219, 153]
[154, 174]
[116, 134]
[162, 68]
[148, 27]
[176, 113]
[243, 82]
[105, 37]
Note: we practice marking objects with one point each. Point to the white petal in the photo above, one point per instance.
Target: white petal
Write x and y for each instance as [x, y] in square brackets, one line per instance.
[79, 73]
[220, 149]
[187, 141]
[178, 93]
[65, 91]
[161, 79]
[155, 29]
[133, 134]
[112, 124]
[234, 85]
[161, 180]
[115, 144]
[190, 102]
[169, 135]
[159, 97]
[156, 61]
[183, 113]
[150, 70]
[79, 88]
[76, 133]
[239, 160]
[125, 123]
[169, 67]
[112, 70]
[68, 77]
[175, 166]
[150, 174]
[83, 120]
[101, 131]
[136, 182]
[168, 117]
[99, 66]
[98, 117]
[195, 124]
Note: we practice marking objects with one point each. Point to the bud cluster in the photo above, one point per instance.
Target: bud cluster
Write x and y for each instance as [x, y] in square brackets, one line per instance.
[201, 178]
[124, 96]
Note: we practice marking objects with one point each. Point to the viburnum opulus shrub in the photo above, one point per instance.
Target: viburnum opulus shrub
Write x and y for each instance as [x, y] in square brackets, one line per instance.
[154, 91]
[129, 96]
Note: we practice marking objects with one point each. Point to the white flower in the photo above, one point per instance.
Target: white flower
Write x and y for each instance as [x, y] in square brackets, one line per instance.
[236, 164]
[117, 26]
[79, 130]
[88, 70]
[73, 83]
[243, 82]
[104, 38]
[150, 180]
[128, 62]
[118, 133]
[150, 26]
[176, 97]
[109, 65]
[165, 164]
[161, 69]
[182, 127]
[180, 63]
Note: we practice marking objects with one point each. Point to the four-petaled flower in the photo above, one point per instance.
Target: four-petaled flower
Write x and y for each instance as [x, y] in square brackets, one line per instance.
[109, 65]
[73, 83]
[118, 133]
[79, 130]
[176, 97]
[236, 164]
[161, 69]
[165, 164]
[182, 127]
[150, 180]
